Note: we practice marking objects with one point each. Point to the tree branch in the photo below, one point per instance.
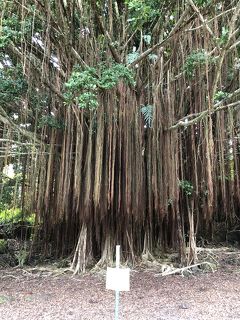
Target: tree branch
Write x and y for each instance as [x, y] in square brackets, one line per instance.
[7, 121]
[18, 53]
[113, 50]
[224, 50]
[210, 20]
[185, 122]
[156, 46]
[195, 8]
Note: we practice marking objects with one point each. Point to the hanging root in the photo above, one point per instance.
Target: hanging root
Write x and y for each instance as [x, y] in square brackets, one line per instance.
[79, 260]
[188, 268]
[107, 254]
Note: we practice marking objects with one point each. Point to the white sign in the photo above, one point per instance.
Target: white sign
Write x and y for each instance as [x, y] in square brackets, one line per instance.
[118, 279]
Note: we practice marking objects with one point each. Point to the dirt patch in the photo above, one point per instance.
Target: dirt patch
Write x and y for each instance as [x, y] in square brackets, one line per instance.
[27, 294]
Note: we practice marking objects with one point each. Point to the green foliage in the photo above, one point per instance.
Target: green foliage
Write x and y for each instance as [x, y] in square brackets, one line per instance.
[51, 121]
[224, 37]
[13, 29]
[10, 30]
[87, 100]
[39, 100]
[220, 95]
[8, 186]
[15, 215]
[111, 76]
[142, 11]
[81, 88]
[3, 299]
[13, 85]
[202, 3]
[147, 38]
[86, 79]
[131, 57]
[13, 26]
[22, 256]
[196, 59]
[3, 246]
[83, 85]
[147, 112]
[16, 223]
[186, 186]
[152, 57]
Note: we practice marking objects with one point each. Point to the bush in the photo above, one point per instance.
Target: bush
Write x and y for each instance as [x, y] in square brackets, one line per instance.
[15, 215]
[3, 246]
[15, 224]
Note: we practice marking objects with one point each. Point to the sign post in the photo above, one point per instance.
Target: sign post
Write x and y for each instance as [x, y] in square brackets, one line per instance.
[117, 291]
[118, 279]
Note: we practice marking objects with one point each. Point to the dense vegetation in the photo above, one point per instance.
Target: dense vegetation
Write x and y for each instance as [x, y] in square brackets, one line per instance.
[121, 120]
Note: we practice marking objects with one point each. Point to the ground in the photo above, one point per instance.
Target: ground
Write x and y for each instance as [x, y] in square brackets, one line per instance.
[46, 294]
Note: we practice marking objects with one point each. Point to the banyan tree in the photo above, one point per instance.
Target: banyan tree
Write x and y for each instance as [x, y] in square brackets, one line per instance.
[124, 119]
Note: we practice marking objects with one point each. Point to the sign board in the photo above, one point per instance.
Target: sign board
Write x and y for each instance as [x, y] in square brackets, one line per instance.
[118, 279]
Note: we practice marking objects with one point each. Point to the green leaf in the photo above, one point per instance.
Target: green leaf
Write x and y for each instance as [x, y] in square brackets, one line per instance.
[147, 112]
[196, 59]
[83, 85]
[224, 37]
[152, 57]
[50, 121]
[186, 186]
[147, 38]
[131, 57]
[220, 95]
